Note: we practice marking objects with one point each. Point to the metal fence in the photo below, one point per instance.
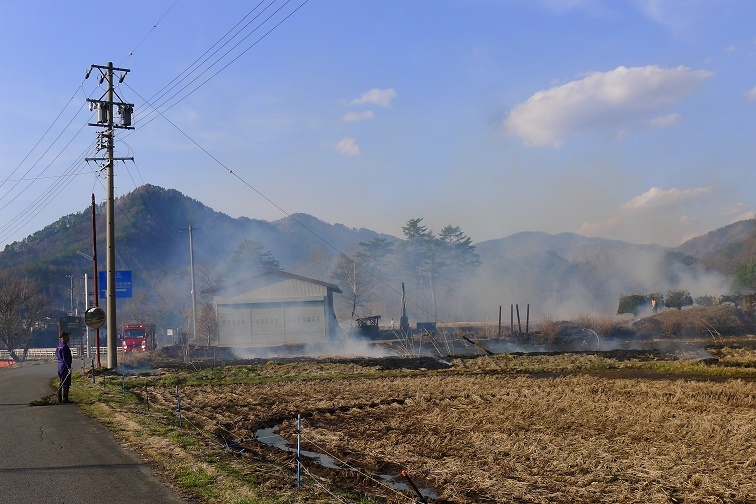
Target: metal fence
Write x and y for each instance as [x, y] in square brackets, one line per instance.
[49, 353]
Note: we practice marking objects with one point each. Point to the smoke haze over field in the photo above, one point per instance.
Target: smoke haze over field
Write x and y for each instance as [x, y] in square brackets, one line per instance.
[581, 282]
[354, 346]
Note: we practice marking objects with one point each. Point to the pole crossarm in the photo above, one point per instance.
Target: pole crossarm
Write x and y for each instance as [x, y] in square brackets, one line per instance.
[107, 67]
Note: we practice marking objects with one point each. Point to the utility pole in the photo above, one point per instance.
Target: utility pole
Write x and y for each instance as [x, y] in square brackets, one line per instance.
[104, 107]
[194, 296]
[70, 277]
[95, 280]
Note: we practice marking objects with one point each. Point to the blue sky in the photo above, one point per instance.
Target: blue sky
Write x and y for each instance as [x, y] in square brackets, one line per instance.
[629, 120]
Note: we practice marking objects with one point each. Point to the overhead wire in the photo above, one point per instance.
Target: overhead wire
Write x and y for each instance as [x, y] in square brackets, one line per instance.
[131, 53]
[24, 176]
[165, 89]
[164, 107]
[53, 189]
[36, 207]
[160, 221]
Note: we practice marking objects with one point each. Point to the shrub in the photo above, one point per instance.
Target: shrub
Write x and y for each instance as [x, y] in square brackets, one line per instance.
[706, 301]
[633, 303]
[677, 298]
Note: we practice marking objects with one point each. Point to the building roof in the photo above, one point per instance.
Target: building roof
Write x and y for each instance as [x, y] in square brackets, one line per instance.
[274, 285]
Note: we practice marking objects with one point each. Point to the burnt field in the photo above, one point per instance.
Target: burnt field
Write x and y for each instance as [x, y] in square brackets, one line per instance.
[619, 425]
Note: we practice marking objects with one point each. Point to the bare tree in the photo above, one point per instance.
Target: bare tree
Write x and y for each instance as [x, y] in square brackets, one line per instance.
[318, 263]
[207, 323]
[22, 308]
[348, 272]
[172, 295]
[138, 309]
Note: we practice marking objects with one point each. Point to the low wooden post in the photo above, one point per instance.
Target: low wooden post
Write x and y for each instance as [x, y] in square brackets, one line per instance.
[178, 407]
[519, 324]
[299, 451]
[527, 320]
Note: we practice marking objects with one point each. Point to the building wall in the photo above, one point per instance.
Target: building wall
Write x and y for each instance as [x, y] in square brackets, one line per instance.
[271, 324]
[273, 309]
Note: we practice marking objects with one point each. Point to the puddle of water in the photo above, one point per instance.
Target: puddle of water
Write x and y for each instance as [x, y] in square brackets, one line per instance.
[400, 485]
[269, 437]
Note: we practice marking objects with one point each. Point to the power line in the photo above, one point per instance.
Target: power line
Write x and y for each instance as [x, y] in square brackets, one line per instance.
[131, 53]
[218, 60]
[165, 89]
[34, 179]
[48, 195]
[23, 177]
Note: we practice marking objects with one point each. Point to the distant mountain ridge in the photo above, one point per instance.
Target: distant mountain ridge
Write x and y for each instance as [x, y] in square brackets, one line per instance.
[571, 246]
[725, 248]
[551, 271]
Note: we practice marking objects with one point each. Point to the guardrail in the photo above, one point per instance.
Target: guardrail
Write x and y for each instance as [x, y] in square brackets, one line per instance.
[49, 353]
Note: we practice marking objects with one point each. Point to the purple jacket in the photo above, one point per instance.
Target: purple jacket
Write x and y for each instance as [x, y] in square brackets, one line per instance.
[63, 354]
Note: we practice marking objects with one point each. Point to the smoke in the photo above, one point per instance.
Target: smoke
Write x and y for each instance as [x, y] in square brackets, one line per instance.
[348, 347]
[574, 280]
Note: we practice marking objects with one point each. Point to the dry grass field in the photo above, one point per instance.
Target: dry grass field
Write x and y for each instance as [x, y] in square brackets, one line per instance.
[580, 427]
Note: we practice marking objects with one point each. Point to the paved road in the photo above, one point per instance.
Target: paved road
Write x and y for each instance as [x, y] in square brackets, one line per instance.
[56, 454]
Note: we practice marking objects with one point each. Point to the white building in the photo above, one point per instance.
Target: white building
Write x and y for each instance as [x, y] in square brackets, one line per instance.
[275, 308]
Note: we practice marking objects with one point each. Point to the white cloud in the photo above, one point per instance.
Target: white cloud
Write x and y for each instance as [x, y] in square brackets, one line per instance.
[599, 101]
[348, 147]
[678, 16]
[665, 121]
[750, 95]
[644, 208]
[739, 212]
[358, 116]
[382, 97]
[656, 198]
[565, 5]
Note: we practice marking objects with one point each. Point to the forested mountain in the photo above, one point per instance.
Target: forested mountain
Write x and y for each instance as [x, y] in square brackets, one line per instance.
[558, 275]
[730, 249]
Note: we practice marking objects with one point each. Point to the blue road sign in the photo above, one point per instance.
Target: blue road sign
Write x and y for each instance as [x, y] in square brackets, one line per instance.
[122, 284]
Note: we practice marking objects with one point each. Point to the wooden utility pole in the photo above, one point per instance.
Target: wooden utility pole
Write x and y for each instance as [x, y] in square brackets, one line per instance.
[194, 294]
[95, 280]
[104, 107]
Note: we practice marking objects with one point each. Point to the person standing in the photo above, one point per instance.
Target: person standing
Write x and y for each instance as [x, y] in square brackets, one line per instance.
[65, 359]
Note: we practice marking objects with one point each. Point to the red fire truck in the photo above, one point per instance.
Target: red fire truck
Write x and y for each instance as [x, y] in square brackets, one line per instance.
[138, 337]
